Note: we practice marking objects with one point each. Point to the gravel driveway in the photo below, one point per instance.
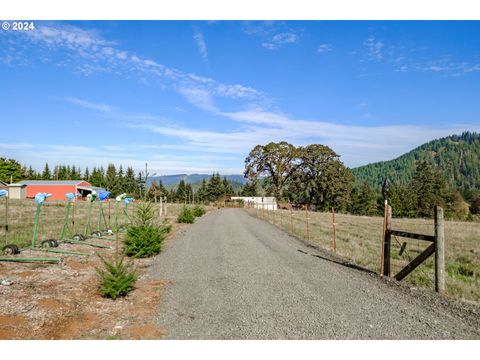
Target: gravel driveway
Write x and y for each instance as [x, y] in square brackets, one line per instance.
[233, 276]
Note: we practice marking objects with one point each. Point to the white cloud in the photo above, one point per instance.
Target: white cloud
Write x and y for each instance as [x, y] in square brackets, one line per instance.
[323, 48]
[202, 47]
[88, 53]
[200, 98]
[89, 105]
[279, 39]
[374, 48]
[357, 145]
[20, 146]
[68, 36]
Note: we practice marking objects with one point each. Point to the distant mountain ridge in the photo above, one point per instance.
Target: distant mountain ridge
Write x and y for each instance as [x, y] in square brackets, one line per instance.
[457, 157]
[173, 180]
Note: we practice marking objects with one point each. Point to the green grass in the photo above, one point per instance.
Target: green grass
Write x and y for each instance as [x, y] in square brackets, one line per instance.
[358, 238]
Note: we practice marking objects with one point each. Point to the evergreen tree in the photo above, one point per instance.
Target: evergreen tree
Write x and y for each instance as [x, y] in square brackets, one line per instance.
[227, 188]
[249, 189]
[429, 188]
[10, 169]
[364, 200]
[130, 185]
[172, 196]
[402, 201]
[97, 177]
[75, 174]
[111, 180]
[140, 185]
[202, 193]
[31, 174]
[86, 175]
[46, 175]
[181, 194]
[215, 189]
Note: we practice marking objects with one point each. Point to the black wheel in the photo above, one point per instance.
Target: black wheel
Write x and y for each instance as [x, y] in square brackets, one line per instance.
[96, 233]
[53, 243]
[10, 249]
[46, 244]
[109, 232]
[78, 237]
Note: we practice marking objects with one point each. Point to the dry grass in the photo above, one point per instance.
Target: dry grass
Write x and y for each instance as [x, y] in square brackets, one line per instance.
[358, 238]
[21, 217]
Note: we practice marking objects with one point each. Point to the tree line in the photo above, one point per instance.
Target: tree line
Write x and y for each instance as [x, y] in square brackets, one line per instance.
[314, 175]
[215, 189]
[119, 181]
[311, 174]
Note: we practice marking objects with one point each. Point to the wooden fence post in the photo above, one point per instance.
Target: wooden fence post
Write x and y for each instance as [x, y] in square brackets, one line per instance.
[384, 233]
[334, 245]
[387, 242]
[439, 251]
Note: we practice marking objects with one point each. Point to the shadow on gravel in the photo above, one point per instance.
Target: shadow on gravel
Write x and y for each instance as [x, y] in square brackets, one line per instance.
[339, 262]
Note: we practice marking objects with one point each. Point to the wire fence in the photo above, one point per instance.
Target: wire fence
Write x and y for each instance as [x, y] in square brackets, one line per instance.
[359, 239]
[17, 220]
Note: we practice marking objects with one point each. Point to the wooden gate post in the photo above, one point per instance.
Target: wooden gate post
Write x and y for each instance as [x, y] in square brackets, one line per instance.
[387, 242]
[439, 251]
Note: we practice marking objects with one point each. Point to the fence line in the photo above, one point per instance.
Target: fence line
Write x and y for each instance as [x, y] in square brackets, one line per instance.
[359, 239]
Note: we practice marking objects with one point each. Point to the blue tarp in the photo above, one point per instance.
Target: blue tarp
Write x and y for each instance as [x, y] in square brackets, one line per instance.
[128, 200]
[3, 192]
[103, 195]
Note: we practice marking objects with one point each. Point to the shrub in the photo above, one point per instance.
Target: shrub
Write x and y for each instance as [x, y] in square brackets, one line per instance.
[186, 216]
[144, 214]
[144, 240]
[117, 279]
[198, 211]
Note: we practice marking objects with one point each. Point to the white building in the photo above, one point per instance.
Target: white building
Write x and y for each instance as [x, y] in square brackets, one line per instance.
[258, 202]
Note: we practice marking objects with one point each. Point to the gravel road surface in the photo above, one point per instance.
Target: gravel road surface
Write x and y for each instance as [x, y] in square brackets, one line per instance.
[233, 276]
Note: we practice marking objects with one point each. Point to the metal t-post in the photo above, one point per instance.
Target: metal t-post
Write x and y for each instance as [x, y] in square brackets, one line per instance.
[87, 225]
[35, 225]
[6, 219]
[65, 222]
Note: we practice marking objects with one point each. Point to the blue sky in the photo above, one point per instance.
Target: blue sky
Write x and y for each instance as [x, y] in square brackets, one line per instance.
[196, 97]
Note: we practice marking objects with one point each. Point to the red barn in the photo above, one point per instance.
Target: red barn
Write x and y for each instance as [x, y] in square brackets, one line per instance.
[58, 188]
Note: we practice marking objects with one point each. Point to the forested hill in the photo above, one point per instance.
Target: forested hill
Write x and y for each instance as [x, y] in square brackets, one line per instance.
[457, 157]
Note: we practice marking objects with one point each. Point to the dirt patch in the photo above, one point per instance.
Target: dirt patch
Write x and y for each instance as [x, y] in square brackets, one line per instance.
[51, 301]
[145, 332]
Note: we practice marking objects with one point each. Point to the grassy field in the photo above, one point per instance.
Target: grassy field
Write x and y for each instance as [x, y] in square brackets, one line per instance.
[358, 238]
[21, 217]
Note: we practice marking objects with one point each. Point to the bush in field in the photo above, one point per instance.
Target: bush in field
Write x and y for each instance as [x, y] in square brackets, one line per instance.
[144, 238]
[186, 216]
[117, 279]
[198, 211]
[144, 214]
